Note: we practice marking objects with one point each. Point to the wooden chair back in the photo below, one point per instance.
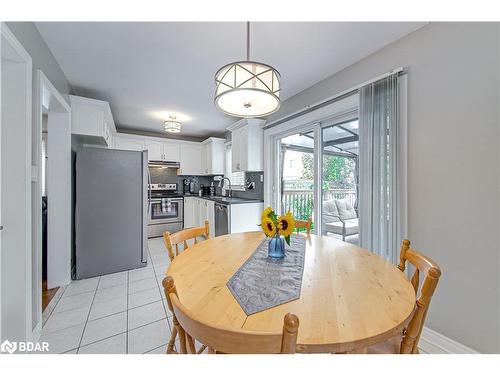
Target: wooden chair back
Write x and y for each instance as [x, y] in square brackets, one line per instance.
[301, 224]
[431, 272]
[223, 340]
[181, 237]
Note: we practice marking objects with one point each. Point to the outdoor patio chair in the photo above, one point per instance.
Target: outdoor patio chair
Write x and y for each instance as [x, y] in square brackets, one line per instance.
[340, 217]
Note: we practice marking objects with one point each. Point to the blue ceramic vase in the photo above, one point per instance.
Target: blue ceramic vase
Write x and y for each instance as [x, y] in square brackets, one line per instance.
[276, 247]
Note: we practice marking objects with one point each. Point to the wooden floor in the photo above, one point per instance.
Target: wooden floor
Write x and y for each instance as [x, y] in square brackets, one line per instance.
[47, 294]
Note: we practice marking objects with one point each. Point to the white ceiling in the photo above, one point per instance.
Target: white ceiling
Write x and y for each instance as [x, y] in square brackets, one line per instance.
[149, 70]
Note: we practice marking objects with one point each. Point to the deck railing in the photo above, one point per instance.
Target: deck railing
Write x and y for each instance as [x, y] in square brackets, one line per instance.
[300, 202]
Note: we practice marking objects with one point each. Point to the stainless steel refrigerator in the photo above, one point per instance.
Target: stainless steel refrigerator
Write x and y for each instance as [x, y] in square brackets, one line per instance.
[111, 211]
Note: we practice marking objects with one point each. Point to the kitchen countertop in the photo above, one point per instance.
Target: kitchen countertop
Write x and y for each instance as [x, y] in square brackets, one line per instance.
[225, 200]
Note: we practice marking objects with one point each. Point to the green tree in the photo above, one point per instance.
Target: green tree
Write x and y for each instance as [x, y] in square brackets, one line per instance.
[338, 171]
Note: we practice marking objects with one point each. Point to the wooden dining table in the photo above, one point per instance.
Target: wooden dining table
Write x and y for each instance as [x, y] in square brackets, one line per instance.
[350, 299]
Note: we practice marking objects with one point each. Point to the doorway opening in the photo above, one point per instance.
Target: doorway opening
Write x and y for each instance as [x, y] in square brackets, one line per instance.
[51, 196]
[15, 198]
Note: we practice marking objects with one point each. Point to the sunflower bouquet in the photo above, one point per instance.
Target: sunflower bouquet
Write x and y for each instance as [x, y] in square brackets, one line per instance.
[275, 226]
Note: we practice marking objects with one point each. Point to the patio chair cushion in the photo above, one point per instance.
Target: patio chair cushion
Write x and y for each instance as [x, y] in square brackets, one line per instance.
[351, 227]
[345, 209]
[330, 212]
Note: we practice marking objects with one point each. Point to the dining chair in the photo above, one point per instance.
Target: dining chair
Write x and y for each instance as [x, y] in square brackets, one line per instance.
[220, 340]
[407, 343]
[303, 224]
[174, 239]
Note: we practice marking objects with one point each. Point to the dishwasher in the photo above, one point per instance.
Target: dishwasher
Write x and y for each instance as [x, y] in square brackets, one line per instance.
[221, 219]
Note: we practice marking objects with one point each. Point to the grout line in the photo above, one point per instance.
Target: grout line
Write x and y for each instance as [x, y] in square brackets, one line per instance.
[85, 326]
[97, 341]
[161, 346]
[108, 315]
[144, 325]
[160, 289]
[126, 332]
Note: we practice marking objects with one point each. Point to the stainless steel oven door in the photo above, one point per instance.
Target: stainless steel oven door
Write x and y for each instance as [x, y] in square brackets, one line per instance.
[166, 210]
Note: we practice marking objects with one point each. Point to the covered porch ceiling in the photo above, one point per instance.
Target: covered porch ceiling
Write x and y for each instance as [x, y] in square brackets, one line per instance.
[338, 139]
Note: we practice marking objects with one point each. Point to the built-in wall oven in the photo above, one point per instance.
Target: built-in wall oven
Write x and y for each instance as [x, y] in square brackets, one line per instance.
[166, 209]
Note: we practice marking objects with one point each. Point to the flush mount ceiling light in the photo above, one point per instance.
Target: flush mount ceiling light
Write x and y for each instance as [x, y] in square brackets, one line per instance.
[172, 125]
[247, 88]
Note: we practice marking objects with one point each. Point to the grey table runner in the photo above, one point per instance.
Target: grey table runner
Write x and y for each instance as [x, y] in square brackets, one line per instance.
[263, 282]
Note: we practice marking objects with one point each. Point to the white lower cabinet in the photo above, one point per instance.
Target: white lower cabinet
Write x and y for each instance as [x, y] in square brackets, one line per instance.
[244, 217]
[189, 212]
[207, 213]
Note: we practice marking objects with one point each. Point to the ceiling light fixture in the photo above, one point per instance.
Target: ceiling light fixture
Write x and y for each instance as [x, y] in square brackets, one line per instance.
[172, 125]
[247, 88]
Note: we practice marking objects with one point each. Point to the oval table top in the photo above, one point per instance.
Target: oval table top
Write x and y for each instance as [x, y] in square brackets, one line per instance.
[350, 297]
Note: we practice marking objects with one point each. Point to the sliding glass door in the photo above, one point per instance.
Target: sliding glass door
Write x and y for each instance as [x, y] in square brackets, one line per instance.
[339, 180]
[296, 174]
[318, 163]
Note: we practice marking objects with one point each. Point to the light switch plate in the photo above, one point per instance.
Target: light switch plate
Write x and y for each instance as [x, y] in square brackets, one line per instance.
[261, 178]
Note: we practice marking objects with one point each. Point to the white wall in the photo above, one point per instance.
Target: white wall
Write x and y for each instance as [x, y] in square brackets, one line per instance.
[454, 169]
[42, 59]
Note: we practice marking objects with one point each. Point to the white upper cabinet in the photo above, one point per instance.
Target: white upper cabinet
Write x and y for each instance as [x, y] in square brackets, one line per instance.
[247, 145]
[171, 151]
[213, 156]
[162, 150]
[191, 159]
[91, 120]
[125, 143]
[155, 150]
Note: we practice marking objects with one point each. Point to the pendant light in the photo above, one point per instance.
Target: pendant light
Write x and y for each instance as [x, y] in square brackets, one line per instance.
[247, 88]
[172, 125]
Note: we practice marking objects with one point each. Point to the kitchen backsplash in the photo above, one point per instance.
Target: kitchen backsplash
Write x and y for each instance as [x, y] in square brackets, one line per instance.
[257, 192]
[169, 175]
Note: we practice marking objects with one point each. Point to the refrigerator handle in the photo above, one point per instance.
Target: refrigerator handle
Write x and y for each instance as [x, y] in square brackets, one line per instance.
[149, 191]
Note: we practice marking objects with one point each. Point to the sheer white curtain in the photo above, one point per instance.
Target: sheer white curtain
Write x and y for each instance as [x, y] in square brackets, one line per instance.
[381, 174]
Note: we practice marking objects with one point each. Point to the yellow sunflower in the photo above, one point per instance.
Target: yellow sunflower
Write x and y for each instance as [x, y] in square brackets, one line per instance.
[268, 227]
[266, 212]
[286, 224]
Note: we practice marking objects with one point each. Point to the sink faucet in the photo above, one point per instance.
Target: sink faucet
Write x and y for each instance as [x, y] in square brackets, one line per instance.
[221, 184]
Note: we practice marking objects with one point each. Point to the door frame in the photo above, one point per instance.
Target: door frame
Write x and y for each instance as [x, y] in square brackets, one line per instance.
[309, 121]
[45, 91]
[24, 146]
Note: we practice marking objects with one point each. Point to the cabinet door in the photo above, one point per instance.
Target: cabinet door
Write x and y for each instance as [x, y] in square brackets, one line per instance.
[205, 161]
[243, 149]
[171, 151]
[211, 217]
[198, 212]
[155, 150]
[188, 211]
[128, 144]
[235, 150]
[190, 160]
[209, 159]
[217, 156]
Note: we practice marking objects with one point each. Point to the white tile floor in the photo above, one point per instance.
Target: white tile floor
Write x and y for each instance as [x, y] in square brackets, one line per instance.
[125, 312]
[119, 313]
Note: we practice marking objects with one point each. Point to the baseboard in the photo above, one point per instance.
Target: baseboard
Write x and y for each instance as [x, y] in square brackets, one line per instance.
[433, 342]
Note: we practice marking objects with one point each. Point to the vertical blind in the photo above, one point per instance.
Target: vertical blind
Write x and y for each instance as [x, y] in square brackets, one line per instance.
[378, 168]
